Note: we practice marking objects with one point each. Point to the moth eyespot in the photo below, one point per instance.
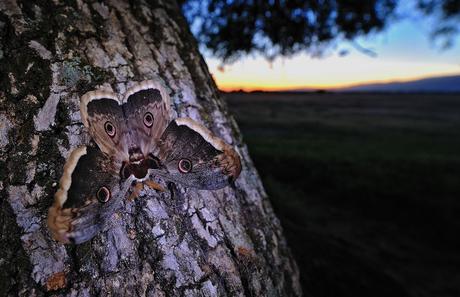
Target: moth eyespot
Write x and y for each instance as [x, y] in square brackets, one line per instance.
[185, 165]
[103, 195]
[148, 119]
[110, 129]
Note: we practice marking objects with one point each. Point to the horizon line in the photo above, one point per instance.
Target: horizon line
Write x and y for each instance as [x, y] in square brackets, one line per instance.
[332, 88]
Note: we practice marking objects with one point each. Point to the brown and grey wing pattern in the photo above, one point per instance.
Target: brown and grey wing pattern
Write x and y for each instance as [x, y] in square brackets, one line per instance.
[194, 157]
[102, 114]
[89, 193]
[146, 108]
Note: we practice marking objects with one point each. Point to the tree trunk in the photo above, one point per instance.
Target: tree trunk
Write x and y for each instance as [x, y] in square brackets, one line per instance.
[198, 243]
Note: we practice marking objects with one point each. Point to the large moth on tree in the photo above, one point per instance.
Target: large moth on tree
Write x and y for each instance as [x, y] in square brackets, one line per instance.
[136, 140]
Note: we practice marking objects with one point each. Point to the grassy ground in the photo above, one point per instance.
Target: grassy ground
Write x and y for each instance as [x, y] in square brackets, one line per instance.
[367, 187]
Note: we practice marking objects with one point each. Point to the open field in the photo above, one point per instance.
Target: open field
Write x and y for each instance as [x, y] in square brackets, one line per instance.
[367, 187]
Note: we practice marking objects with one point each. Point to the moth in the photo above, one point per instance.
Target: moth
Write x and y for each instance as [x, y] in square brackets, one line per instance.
[136, 141]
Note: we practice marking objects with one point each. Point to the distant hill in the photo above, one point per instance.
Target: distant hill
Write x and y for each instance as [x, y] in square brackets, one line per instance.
[435, 84]
[441, 84]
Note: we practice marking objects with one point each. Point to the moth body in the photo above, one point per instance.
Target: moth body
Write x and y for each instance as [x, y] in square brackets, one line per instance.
[137, 141]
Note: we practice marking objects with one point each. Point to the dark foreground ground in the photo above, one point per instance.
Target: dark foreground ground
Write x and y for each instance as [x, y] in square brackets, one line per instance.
[367, 187]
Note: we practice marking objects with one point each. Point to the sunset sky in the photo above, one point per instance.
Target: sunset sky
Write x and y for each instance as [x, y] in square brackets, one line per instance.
[404, 52]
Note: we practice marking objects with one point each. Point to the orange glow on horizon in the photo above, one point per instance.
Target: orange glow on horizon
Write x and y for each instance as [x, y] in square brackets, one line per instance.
[228, 87]
[302, 72]
[404, 53]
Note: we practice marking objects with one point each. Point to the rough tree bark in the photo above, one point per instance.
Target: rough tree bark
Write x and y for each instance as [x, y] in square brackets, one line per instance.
[201, 243]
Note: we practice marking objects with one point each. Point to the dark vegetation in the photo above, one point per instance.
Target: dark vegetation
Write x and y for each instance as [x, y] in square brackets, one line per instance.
[231, 29]
[367, 187]
[439, 84]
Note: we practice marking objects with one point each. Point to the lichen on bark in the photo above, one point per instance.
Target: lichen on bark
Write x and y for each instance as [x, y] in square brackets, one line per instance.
[192, 243]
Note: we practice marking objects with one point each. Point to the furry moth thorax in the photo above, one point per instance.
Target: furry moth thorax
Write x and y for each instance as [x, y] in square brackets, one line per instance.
[136, 140]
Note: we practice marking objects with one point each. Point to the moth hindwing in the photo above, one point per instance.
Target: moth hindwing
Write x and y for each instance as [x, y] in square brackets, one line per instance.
[193, 156]
[90, 191]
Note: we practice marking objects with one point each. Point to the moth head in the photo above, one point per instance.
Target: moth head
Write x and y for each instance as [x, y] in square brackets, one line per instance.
[139, 170]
